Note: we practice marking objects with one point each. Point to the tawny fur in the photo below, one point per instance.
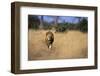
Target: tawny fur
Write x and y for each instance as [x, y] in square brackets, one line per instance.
[49, 39]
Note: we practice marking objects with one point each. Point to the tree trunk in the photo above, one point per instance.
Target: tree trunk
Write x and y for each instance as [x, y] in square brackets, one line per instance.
[41, 22]
[56, 20]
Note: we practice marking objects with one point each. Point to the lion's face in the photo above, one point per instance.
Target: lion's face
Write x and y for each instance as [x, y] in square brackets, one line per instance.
[49, 37]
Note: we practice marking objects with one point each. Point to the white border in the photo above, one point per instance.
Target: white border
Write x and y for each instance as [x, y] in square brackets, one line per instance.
[25, 64]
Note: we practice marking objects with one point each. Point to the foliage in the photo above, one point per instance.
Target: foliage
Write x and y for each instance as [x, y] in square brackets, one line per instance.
[83, 25]
[62, 27]
[33, 22]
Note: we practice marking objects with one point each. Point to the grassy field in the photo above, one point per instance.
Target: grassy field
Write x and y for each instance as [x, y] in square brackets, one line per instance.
[67, 45]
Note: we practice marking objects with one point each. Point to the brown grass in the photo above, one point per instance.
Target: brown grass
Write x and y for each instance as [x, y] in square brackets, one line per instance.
[67, 45]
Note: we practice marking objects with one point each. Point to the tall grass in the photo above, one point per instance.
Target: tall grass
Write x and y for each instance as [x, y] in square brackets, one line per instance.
[67, 45]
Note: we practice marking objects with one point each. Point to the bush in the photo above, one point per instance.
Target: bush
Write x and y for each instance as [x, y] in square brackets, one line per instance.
[83, 25]
[33, 22]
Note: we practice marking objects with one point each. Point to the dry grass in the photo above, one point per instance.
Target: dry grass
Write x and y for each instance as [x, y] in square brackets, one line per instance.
[71, 44]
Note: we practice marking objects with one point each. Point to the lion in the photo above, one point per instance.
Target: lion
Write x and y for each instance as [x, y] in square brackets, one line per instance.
[49, 39]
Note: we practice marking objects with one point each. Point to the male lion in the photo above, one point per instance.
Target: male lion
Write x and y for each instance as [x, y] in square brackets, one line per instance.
[49, 39]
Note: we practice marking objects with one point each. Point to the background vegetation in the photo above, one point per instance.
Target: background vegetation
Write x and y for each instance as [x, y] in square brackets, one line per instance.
[59, 23]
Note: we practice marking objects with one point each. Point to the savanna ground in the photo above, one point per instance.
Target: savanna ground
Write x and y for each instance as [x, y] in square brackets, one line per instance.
[68, 45]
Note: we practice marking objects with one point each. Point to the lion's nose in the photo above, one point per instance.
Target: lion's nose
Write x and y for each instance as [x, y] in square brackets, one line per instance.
[49, 39]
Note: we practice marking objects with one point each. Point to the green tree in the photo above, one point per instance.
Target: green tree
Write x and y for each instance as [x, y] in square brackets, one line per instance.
[83, 25]
[33, 22]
